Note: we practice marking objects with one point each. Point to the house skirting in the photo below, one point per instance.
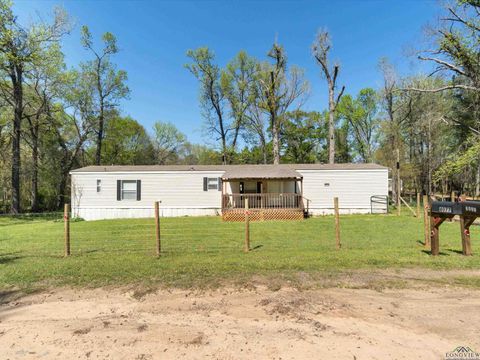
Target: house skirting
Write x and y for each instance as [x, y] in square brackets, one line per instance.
[95, 213]
[263, 214]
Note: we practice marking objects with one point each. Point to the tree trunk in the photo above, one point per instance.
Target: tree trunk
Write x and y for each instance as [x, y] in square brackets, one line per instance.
[98, 154]
[62, 186]
[224, 150]
[275, 141]
[331, 125]
[264, 150]
[16, 76]
[34, 202]
[477, 185]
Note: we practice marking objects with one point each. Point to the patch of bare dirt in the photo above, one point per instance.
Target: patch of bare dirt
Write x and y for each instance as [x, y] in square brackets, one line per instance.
[253, 323]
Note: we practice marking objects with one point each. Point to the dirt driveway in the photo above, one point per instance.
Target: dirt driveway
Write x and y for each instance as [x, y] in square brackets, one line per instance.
[241, 324]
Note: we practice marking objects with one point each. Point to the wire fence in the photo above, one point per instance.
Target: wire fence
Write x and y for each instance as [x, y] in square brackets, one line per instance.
[46, 234]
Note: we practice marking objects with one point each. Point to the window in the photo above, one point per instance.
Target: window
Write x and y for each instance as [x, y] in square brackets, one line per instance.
[129, 189]
[212, 183]
[99, 185]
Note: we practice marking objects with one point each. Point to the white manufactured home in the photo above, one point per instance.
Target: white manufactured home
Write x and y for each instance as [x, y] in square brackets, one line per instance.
[273, 191]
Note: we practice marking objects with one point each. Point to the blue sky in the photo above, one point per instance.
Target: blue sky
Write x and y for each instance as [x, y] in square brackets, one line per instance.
[154, 36]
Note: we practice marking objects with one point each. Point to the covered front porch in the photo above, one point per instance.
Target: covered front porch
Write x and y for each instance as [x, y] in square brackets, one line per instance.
[269, 194]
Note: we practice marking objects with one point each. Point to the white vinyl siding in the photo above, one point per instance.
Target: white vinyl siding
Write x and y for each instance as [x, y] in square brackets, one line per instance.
[354, 188]
[180, 193]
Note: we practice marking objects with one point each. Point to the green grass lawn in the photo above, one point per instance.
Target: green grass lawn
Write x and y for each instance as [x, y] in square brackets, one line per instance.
[205, 250]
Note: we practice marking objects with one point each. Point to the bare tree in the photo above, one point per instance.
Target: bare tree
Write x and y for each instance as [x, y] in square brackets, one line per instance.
[280, 89]
[455, 48]
[320, 50]
[256, 126]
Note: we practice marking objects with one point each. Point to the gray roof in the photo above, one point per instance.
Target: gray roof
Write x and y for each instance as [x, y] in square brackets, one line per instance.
[261, 172]
[235, 171]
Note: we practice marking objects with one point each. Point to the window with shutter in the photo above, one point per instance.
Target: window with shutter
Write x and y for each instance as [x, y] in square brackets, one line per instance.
[129, 189]
[212, 183]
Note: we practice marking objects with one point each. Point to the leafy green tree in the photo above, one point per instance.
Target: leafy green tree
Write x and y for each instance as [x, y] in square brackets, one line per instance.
[169, 142]
[455, 54]
[42, 91]
[301, 137]
[75, 124]
[126, 142]
[237, 82]
[363, 119]
[20, 47]
[196, 154]
[279, 89]
[212, 97]
[108, 82]
[255, 155]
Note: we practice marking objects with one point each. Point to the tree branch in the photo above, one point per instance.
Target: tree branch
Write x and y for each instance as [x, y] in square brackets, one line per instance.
[444, 63]
[448, 87]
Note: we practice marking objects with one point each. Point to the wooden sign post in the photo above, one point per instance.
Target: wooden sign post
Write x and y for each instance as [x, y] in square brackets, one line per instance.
[337, 223]
[435, 237]
[470, 212]
[465, 223]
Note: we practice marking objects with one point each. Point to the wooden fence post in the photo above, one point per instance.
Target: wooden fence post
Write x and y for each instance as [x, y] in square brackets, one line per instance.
[157, 228]
[418, 205]
[247, 227]
[337, 223]
[66, 220]
[426, 221]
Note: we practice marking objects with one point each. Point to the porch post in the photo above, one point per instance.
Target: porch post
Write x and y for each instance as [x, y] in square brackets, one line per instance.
[223, 197]
[301, 193]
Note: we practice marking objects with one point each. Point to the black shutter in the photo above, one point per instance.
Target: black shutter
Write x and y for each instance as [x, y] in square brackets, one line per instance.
[139, 190]
[119, 190]
[219, 184]
[205, 184]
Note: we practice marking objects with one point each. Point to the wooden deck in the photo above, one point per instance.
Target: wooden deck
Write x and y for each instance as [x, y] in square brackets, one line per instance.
[268, 206]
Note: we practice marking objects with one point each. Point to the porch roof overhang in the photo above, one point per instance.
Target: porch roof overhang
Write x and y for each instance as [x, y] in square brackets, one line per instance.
[261, 172]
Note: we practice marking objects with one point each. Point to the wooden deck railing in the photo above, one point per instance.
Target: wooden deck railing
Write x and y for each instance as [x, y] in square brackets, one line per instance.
[263, 201]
